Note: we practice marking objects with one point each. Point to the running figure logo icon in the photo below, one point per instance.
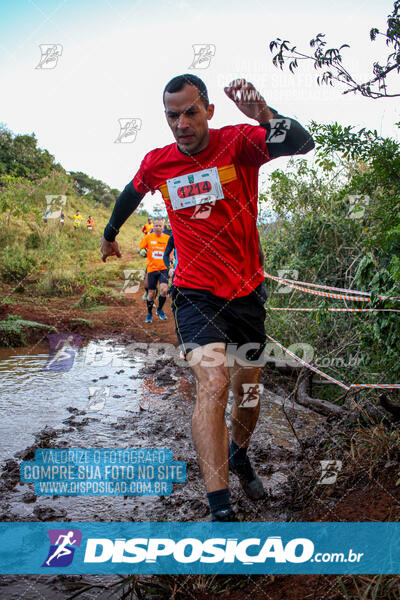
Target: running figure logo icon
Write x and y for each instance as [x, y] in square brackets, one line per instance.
[133, 277]
[251, 395]
[98, 397]
[63, 543]
[63, 348]
[55, 204]
[50, 53]
[203, 211]
[330, 471]
[128, 129]
[279, 129]
[203, 54]
[287, 273]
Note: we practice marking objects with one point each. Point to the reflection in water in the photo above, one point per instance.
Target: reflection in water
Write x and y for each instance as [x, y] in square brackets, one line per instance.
[32, 398]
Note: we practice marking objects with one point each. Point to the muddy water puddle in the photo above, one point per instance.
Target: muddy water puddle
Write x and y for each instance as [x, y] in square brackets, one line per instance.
[140, 402]
[113, 397]
[102, 384]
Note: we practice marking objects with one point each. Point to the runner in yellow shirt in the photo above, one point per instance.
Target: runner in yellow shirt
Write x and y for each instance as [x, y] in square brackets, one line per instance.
[77, 218]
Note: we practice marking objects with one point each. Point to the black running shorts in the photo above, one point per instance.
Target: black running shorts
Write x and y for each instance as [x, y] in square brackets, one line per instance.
[157, 277]
[202, 318]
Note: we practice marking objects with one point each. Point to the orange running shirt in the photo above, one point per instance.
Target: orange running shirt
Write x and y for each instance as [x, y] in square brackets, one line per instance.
[147, 227]
[155, 246]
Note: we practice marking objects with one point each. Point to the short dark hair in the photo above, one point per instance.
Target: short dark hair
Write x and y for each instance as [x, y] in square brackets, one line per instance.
[177, 83]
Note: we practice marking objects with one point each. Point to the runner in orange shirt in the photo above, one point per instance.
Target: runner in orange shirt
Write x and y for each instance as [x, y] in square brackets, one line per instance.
[147, 227]
[155, 244]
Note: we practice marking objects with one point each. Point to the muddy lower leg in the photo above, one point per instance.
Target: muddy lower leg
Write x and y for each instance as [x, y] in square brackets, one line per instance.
[246, 406]
[210, 433]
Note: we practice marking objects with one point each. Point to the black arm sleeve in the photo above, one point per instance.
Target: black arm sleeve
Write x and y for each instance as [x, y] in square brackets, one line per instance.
[128, 201]
[286, 137]
[168, 250]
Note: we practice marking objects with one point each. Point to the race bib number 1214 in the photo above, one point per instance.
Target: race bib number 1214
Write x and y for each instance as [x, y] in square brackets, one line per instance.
[195, 188]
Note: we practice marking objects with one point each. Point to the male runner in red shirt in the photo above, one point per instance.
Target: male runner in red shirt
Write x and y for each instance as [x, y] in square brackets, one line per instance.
[209, 182]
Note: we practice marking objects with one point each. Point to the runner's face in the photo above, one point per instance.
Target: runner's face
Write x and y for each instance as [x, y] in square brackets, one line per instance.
[158, 227]
[188, 118]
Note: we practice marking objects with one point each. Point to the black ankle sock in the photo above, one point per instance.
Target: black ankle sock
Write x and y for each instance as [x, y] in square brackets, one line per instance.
[237, 455]
[219, 500]
[150, 306]
[161, 302]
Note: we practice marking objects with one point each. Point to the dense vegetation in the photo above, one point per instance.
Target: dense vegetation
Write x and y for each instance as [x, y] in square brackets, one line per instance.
[338, 224]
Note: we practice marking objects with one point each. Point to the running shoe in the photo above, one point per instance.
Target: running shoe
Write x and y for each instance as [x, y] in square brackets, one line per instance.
[149, 319]
[144, 297]
[224, 514]
[161, 314]
[249, 480]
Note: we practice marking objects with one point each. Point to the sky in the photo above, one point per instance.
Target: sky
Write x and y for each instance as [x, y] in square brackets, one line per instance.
[115, 57]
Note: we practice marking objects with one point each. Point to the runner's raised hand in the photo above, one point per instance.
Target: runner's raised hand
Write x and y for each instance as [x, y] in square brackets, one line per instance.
[248, 100]
[109, 249]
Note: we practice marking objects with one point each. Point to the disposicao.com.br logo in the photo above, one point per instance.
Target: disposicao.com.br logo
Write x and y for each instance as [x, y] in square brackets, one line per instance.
[212, 550]
[62, 547]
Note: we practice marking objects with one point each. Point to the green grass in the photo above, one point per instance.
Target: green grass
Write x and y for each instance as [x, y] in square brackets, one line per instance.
[46, 261]
[16, 331]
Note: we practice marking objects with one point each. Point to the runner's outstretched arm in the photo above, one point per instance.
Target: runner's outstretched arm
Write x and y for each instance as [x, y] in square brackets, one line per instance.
[170, 246]
[296, 140]
[285, 136]
[128, 201]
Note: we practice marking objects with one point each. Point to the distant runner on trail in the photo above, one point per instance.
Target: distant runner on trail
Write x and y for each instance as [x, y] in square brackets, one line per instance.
[155, 243]
[90, 224]
[76, 219]
[209, 181]
[147, 227]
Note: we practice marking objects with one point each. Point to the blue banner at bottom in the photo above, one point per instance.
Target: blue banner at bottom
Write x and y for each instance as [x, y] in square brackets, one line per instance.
[199, 548]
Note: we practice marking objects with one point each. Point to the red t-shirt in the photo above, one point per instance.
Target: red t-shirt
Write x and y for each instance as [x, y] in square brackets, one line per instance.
[217, 247]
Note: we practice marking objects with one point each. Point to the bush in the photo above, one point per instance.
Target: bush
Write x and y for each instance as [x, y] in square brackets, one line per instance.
[59, 283]
[15, 331]
[16, 265]
[33, 241]
[92, 297]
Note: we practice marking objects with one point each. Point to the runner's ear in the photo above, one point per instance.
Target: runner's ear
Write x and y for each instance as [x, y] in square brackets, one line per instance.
[210, 111]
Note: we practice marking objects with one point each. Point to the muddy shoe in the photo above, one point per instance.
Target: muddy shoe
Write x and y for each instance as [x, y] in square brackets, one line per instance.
[224, 514]
[249, 480]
